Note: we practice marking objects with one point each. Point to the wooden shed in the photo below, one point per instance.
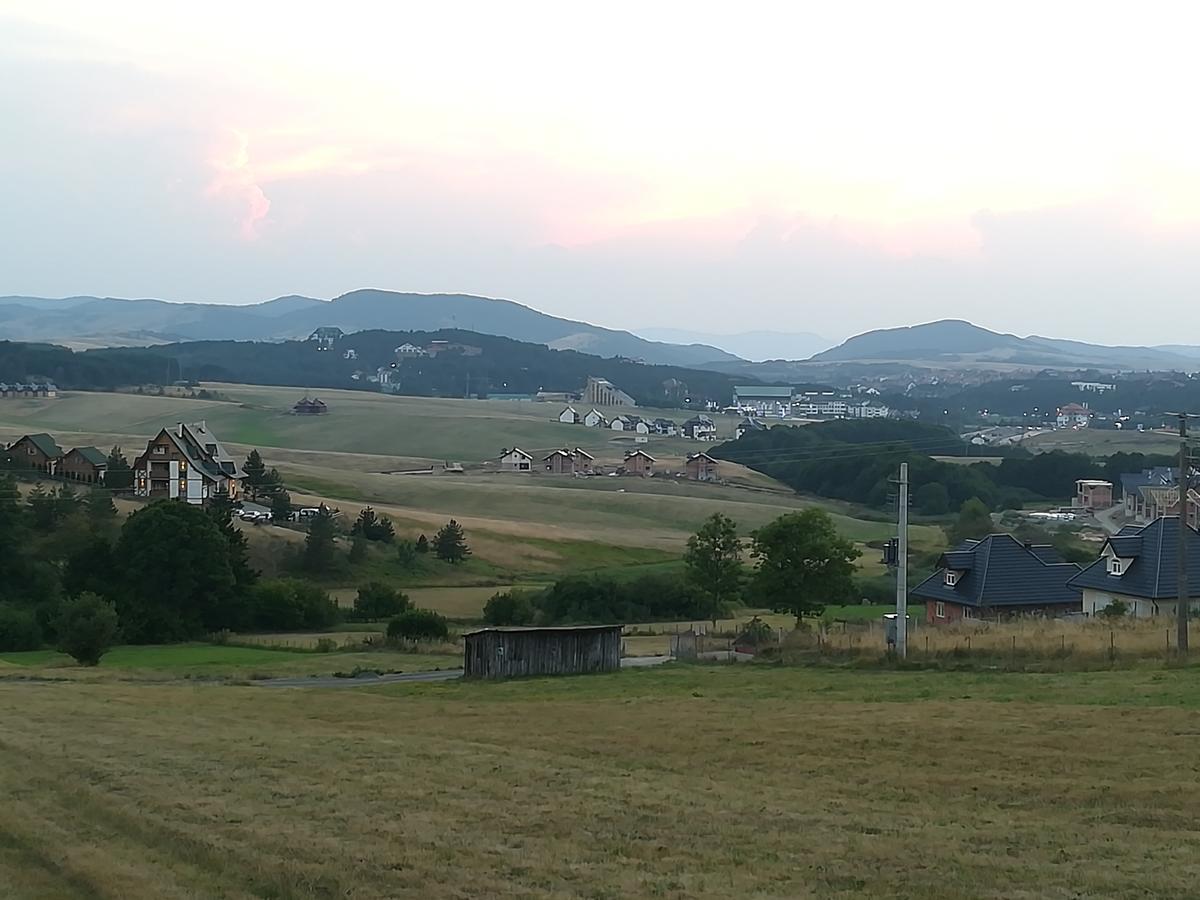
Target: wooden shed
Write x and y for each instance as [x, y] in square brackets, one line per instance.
[513, 652]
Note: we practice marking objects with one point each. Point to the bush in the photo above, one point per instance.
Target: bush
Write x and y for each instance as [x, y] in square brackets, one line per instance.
[418, 625]
[19, 628]
[510, 608]
[87, 628]
[289, 604]
[379, 601]
[1115, 610]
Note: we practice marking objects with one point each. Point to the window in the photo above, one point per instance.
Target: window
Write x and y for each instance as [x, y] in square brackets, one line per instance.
[160, 450]
[968, 613]
[951, 578]
[1115, 567]
[939, 610]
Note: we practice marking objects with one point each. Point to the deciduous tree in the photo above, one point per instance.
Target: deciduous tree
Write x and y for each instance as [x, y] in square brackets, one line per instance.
[714, 561]
[87, 628]
[803, 564]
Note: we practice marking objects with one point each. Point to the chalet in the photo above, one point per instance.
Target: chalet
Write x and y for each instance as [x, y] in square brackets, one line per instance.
[560, 462]
[584, 462]
[86, 464]
[748, 425]
[1092, 494]
[664, 427]
[569, 416]
[701, 467]
[639, 462]
[635, 424]
[700, 428]
[186, 462]
[326, 336]
[1073, 415]
[515, 460]
[313, 407]
[998, 576]
[39, 452]
[595, 419]
[1137, 566]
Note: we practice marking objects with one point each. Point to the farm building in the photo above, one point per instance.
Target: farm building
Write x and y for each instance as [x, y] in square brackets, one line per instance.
[313, 407]
[513, 652]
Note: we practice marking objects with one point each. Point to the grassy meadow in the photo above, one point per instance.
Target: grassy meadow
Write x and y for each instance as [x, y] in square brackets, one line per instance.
[681, 782]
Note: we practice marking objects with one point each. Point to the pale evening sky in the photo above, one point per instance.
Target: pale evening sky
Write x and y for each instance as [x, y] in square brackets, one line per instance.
[829, 167]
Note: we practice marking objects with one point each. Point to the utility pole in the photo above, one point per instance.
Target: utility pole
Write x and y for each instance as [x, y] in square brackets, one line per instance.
[1181, 607]
[902, 568]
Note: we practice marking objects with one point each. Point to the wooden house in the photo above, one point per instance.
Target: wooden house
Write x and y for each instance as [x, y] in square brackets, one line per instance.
[515, 652]
[639, 462]
[186, 462]
[701, 467]
[585, 463]
[313, 407]
[86, 464]
[560, 462]
[39, 452]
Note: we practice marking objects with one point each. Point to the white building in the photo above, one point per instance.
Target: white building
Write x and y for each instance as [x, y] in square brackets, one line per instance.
[821, 409]
[1073, 415]
[515, 460]
[867, 410]
[569, 416]
[595, 419]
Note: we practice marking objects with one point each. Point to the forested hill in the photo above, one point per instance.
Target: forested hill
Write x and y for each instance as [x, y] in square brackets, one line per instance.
[504, 366]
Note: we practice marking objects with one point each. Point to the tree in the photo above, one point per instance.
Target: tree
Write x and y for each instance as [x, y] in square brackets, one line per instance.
[99, 509]
[803, 564]
[358, 548]
[1117, 609]
[974, 522]
[714, 561]
[422, 544]
[509, 608]
[19, 629]
[90, 566]
[87, 628]
[373, 527]
[118, 476]
[319, 547]
[418, 625]
[256, 473]
[406, 555]
[176, 581]
[379, 601]
[41, 506]
[450, 544]
[221, 509]
[932, 499]
[287, 604]
[281, 506]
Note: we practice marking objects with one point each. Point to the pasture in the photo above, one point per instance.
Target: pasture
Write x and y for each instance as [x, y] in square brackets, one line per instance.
[683, 782]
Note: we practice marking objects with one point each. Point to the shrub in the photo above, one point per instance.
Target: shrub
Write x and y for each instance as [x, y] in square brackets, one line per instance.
[19, 628]
[288, 604]
[510, 608]
[418, 625]
[87, 628]
[379, 601]
[1115, 610]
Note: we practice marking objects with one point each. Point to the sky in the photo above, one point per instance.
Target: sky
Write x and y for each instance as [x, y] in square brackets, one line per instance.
[822, 167]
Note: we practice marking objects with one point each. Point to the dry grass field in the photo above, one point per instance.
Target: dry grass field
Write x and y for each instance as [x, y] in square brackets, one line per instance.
[688, 782]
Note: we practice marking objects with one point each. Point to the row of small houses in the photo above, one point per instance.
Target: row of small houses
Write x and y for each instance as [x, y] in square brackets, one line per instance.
[697, 428]
[697, 466]
[33, 389]
[41, 453]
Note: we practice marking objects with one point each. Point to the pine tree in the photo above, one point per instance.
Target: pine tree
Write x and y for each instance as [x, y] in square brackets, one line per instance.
[422, 544]
[118, 476]
[99, 509]
[221, 508]
[281, 506]
[256, 473]
[450, 544]
[319, 546]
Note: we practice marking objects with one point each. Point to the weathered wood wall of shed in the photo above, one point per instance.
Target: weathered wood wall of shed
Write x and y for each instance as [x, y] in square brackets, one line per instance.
[506, 654]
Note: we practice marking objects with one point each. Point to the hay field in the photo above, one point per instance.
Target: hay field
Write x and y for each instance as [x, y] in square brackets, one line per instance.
[688, 782]
[1103, 441]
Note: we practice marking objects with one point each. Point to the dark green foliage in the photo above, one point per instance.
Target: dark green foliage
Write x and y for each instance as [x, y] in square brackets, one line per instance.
[974, 523]
[100, 510]
[379, 601]
[1117, 609]
[510, 608]
[19, 628]
[220, 509]
[418, 625]
[1010, 500]
[119, 474]
[406, 555]
[373, 527]
[287, 604]
[422, 544]
[358, 548]
[90, 566]
[320, 551]
[932, 499]
[584, 599]
[803, 564]
[281, 506]
[714, 562]
[256, 472]
[86, 628]
[450, 543]
[176, 580]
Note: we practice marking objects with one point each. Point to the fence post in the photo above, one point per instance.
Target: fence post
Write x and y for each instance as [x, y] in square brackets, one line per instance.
[1112, 646]
[968, 643]
[926, 645]
[1014, 650]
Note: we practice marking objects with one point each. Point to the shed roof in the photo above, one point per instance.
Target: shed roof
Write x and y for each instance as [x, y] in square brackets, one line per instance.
[534, 629]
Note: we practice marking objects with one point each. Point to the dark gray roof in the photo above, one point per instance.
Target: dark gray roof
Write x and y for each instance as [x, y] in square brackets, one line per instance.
[46, 444]
[93, 455]
[1001, 571]
[1158, 476]
[1152, 574]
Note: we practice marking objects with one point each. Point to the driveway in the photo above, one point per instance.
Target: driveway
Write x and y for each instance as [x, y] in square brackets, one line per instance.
[367, 680]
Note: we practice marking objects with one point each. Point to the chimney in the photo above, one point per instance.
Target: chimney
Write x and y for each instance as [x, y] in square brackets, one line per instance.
[1028, 545]
[179, 429]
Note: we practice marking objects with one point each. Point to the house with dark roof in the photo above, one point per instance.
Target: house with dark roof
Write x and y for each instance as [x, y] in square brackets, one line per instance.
[313, 407]
[699, 428]
[39, 452]
[187, 462]
[747, 426]
[665, 427]
[1133, 482]
[1138, 566]
[515, 460]
[639, 462]
[998, 576]
[86, 464]
[584, 462]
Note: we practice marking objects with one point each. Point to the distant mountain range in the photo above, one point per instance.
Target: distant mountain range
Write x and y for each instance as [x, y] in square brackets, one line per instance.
[105, 321]
[749, 345]
[952, 341]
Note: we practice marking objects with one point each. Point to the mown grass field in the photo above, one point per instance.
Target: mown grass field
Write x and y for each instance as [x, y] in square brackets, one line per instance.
[1103, 441]
[685, 782]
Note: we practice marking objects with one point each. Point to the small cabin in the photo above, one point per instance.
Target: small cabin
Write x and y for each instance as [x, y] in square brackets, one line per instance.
[516, 652]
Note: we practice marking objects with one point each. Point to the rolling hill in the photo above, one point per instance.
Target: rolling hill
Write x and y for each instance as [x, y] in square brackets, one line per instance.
[107, 321]
[955, 341]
